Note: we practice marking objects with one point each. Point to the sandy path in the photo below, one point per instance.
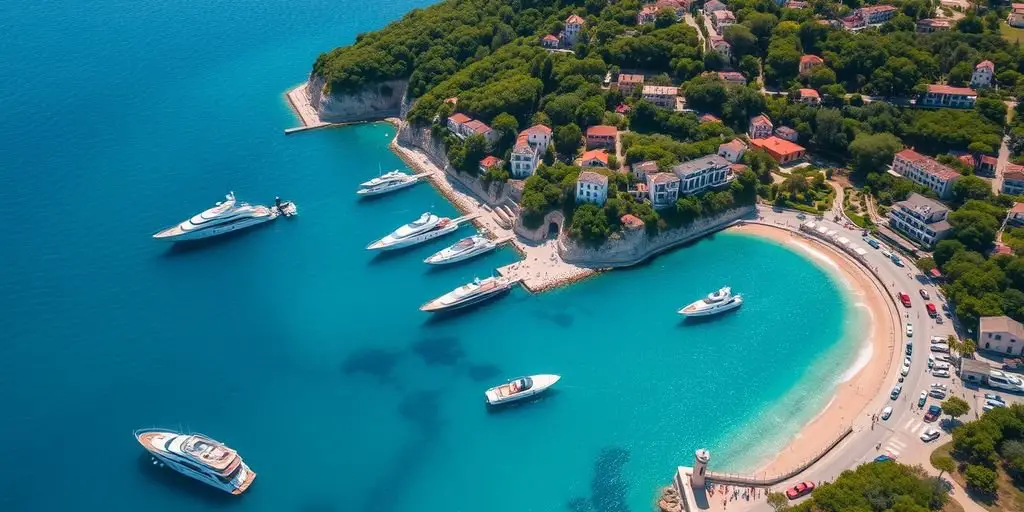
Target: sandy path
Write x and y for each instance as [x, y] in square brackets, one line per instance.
[852, 397]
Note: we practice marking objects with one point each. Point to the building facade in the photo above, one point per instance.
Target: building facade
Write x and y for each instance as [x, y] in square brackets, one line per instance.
[760, 127]
[628, 83]
[787, 133]
[783, 151]
[573, 27]
[948, 96]
[722, 19]
[702, 173]
[983, 74]
[929, 25]
[809, 62]
[592, 187]
[1013, 179]
[925, 171]
[1000, 334]
[602, 136]
[663, 188]
[920, 219]
[661, 96]
[876, 13]
[732, 150]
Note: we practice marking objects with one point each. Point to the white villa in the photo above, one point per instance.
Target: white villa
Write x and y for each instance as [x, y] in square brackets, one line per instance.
[591, 187]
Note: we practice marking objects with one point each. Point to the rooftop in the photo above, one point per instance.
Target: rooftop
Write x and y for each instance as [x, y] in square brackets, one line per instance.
[647, 167]
[734, 145]
[537, 129]
[595, 154]
[778, 146]
[602, 130]
[975, 365]
[760, 119]
[490, 161]
[948, 89]
[785, 130]
[877, 8]
[934, 22]
[811, 59]
[809, 93]
[459, 118]
[1001, 324]
[660, 178]
[592, 178]
[630, 79]
[551, 37]
[710, 118]
[985, 64]
[1017, 208]
[723, 15]
[700, 164]
[661, 90]
[1013, 172]
[731, 76]
[478, 126]
[929, 165]
[922, 204]
[574, 19]
[631, 221]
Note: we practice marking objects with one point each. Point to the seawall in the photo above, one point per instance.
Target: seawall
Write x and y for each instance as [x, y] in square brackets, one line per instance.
[372, 103]
[631, 247]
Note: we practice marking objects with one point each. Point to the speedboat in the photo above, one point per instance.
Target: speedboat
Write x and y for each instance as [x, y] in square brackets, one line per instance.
[718, 302]
[224, 217]
[427, 227]
[468, 294]
[199, 457]
[520, 388]
[386, 182]
[462, 250]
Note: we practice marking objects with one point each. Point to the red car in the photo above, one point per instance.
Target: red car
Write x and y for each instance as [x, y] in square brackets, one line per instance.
[932, 312]
[905, 299]
[800, 489]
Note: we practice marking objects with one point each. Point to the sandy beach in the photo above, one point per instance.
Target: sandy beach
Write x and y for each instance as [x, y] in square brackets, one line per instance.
[849, 406]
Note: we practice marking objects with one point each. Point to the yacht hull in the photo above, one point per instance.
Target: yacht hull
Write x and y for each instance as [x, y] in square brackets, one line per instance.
[696, 313]
[541, 383]
[200, 234]
[386, 244]
[440, 258]
[367, 192]
[170, 460]
[436, 306]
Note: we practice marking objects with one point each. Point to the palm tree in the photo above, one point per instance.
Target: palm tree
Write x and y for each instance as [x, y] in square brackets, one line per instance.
[967, 348]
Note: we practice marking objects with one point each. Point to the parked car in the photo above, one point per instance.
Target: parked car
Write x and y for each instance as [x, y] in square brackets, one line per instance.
[910, 329]
[940, 373]
[938, 319]
[997, 398]
[941, 366]
[905, 299]
[932, 312]
[922, 399]
[930, 435]
[933, 413]
[905, 370]
[995, 403]
[896, 391]
[937, 385]
[940, 347]
[800, 489]
[936, 340]
[910, 347]
[937, 393]
[924, 294]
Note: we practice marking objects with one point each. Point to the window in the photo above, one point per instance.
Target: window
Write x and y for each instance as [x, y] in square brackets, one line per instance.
[999, 336]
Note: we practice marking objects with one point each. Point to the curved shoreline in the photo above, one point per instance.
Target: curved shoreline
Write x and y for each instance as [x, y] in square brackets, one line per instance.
[856, 390]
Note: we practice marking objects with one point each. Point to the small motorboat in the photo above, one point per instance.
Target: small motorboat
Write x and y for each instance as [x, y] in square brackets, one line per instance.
[520, 388]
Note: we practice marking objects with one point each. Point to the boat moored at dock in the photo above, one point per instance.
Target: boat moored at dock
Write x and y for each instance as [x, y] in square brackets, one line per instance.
[469, 294]
[718, 302]
[387, 182]
[225, 217]
[427, 227]
[520, 388]
[462, 250]
[199, 457]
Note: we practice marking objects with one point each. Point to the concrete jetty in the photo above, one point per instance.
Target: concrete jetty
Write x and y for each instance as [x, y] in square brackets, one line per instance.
[298, 98]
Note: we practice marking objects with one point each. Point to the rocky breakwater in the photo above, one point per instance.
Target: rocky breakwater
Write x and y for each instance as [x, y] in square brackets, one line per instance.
[634, 245]
[371, 103]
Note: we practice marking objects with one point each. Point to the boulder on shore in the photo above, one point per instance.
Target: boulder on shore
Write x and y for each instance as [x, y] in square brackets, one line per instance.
[669, 500]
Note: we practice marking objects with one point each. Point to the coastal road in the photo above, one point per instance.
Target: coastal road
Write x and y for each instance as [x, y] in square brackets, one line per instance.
[899, 435]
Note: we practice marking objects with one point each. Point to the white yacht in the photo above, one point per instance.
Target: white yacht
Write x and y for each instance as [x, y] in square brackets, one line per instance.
[427, 227]
[224, 217]
[718, 302]
[199, 457]
[462, 250]
[520, 388]
[387, 182]
[468, 294]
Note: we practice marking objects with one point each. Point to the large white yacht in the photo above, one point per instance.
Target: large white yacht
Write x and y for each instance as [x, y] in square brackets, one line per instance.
[718, 302]
[386, 182]
[427, 227]
[468, 294]
[520, 388]
[462, 250]
[224, 217]
[199, 457]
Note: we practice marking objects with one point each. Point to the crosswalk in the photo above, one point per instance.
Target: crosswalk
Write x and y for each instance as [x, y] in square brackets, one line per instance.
[915, 426]
[893, 448]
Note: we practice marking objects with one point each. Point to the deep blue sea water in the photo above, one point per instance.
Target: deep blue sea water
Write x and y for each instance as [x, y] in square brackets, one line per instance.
[296, 346]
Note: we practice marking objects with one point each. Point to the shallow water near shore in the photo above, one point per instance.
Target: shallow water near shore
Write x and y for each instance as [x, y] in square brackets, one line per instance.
[305, 352]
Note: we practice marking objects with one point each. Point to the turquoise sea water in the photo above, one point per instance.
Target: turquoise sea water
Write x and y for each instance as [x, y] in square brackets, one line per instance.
[299, 348]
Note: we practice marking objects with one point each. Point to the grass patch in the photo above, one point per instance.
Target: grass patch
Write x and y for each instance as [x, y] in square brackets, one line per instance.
[1011, 34]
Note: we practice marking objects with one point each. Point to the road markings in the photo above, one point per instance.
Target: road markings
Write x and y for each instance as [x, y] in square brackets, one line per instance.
[893, 447]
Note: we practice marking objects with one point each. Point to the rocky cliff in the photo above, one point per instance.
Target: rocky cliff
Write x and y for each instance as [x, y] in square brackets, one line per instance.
[632, 246]
[373, 103]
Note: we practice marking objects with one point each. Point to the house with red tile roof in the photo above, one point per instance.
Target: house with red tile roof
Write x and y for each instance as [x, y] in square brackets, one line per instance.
[782, 150]
[948, 96]
[875, 14]
[661, 96]
[787, 133]
[732, 150]
[477, 127]
[925, 171]
[529, 149]
[490, 161]
[720, 46]
[549, 41]
[983, 74]
[733, 77]
[456, 121]
[1013, 179]
[722, 19]
[710, 118]
[1016, 214]
[648, 14]
[929, 25]
[628, 83]
[602, 136]
[1016, 16]
[760, 127]
[594, 158]
[809, 62]
[809, 97]
[573, 26]
[640, 170]
[630, 221]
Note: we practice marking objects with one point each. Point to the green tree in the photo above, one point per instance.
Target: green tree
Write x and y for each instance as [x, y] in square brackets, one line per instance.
[992, 109]
[567, 139]
[981, 479]
[970, 187]
[590, 224]
[955, 407]
[778, 501]
[509, 128]
[831, 130]
[742, 40]
[944, 464]
[945, 250]
[820, 77]
[925, 264]
[960, 74]
[872, 152]
[590, 113]
[476, 150]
